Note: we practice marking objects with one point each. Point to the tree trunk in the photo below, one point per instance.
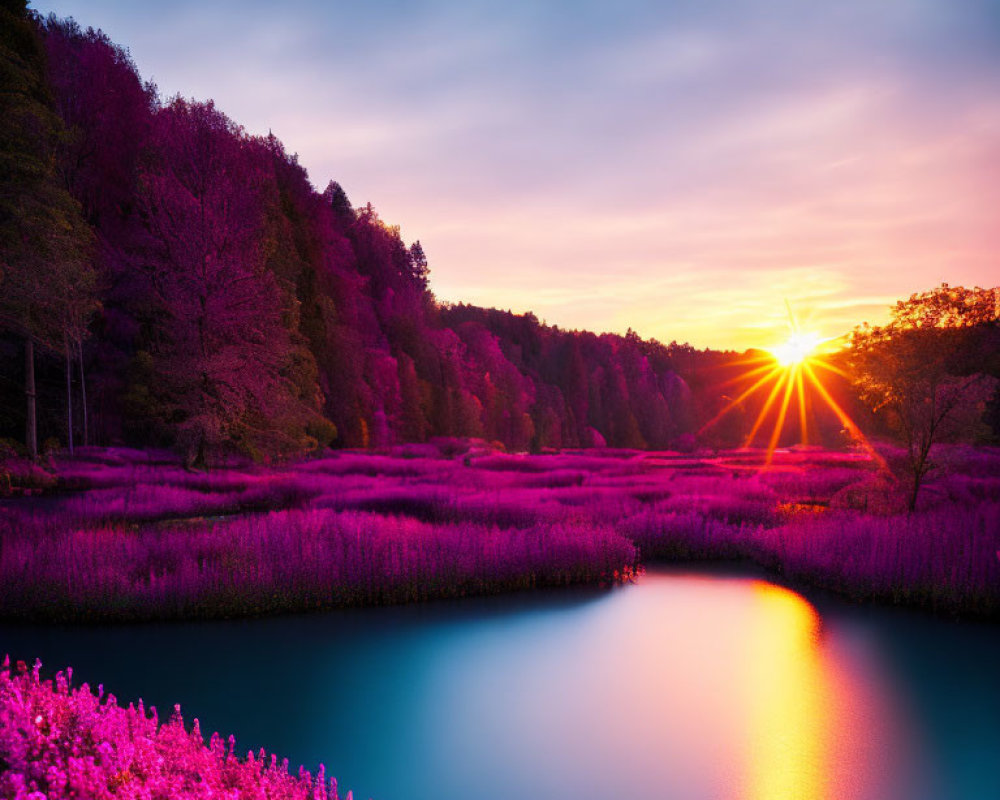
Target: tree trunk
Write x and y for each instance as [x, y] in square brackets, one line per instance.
[31, 423]
[912, 506]
[83, 394]
[920, 469]
[69, 395]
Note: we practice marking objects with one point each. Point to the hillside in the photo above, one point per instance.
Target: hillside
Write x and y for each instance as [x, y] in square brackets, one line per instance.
[211, 300]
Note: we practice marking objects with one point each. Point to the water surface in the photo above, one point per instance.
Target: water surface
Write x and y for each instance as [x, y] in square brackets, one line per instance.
[686, 685]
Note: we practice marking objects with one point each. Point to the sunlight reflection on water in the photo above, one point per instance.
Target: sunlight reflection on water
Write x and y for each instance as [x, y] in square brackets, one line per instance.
[684, 686]
[789, 699]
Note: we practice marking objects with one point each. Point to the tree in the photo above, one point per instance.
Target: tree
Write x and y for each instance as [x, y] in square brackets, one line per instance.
[222, 356]
[45, 245]
[948, 307]
[106, 112]
[916, 372]
[418, 263]
[336, 199]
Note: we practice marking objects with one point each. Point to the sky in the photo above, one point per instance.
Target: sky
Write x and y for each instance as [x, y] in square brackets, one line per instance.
[681, 168]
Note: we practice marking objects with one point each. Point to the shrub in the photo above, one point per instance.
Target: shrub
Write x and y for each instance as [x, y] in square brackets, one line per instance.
[60, 742]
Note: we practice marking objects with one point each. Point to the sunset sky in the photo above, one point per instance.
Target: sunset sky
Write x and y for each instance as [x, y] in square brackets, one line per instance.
[682, 168]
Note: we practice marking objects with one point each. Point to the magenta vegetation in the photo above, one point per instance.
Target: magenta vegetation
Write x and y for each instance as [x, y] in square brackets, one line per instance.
[127, 539]
[59, 742]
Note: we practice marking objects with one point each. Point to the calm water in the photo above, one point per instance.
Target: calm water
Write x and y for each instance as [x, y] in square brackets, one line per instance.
[683, 686]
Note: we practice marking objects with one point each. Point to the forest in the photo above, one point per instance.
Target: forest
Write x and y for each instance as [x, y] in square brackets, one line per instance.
[154, 251]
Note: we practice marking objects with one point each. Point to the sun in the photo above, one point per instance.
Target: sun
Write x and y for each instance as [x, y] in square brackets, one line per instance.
[790, 374]
[798, 348]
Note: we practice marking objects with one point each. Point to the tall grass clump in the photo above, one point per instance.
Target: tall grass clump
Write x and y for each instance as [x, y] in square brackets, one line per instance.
[291, 561]
[946, 559]
[685, 536]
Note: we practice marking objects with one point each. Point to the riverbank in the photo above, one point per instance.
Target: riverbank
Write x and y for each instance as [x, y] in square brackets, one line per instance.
[127, 535]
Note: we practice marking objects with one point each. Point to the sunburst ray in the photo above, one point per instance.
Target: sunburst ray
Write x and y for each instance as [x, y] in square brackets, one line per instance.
[782, 412]
[843, 416]
[767, 407]
[803, 423]
[819, 362]
[733, 403]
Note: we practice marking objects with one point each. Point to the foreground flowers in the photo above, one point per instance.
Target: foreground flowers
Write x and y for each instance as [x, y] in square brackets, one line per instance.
[62, 742]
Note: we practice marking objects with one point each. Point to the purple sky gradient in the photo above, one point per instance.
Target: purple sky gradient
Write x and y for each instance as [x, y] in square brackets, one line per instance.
[681, 168]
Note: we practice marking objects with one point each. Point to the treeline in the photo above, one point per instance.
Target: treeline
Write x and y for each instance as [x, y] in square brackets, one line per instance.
[169, 279]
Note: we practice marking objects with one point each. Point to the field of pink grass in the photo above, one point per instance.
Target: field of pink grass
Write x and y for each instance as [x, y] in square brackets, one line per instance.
[126, 535]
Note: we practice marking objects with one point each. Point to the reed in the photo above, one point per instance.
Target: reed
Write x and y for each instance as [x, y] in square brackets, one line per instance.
[144, 539]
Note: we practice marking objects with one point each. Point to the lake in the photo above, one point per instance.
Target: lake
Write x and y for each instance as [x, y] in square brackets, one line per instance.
[684, 685]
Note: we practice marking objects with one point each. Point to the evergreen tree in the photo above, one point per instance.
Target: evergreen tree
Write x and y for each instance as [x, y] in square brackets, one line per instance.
[336, 198]
[418, 263]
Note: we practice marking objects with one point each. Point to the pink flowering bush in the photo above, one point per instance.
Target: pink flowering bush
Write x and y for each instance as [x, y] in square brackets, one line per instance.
[60, 742]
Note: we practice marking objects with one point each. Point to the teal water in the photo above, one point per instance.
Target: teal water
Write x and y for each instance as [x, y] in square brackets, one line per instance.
[685, 685]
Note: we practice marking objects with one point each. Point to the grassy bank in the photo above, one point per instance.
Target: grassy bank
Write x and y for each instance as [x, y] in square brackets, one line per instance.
[129, 535]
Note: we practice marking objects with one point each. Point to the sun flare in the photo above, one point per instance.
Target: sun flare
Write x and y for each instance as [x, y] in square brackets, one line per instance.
[798, 348]
[792, 376]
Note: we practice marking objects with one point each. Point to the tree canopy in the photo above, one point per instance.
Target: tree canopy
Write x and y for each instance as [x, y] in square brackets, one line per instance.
[931, 371]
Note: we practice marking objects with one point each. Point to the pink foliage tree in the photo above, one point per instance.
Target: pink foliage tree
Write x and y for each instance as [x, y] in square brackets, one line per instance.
[224, 353]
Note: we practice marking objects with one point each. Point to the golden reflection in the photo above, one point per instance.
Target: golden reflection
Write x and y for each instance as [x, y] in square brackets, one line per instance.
[790, 718]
